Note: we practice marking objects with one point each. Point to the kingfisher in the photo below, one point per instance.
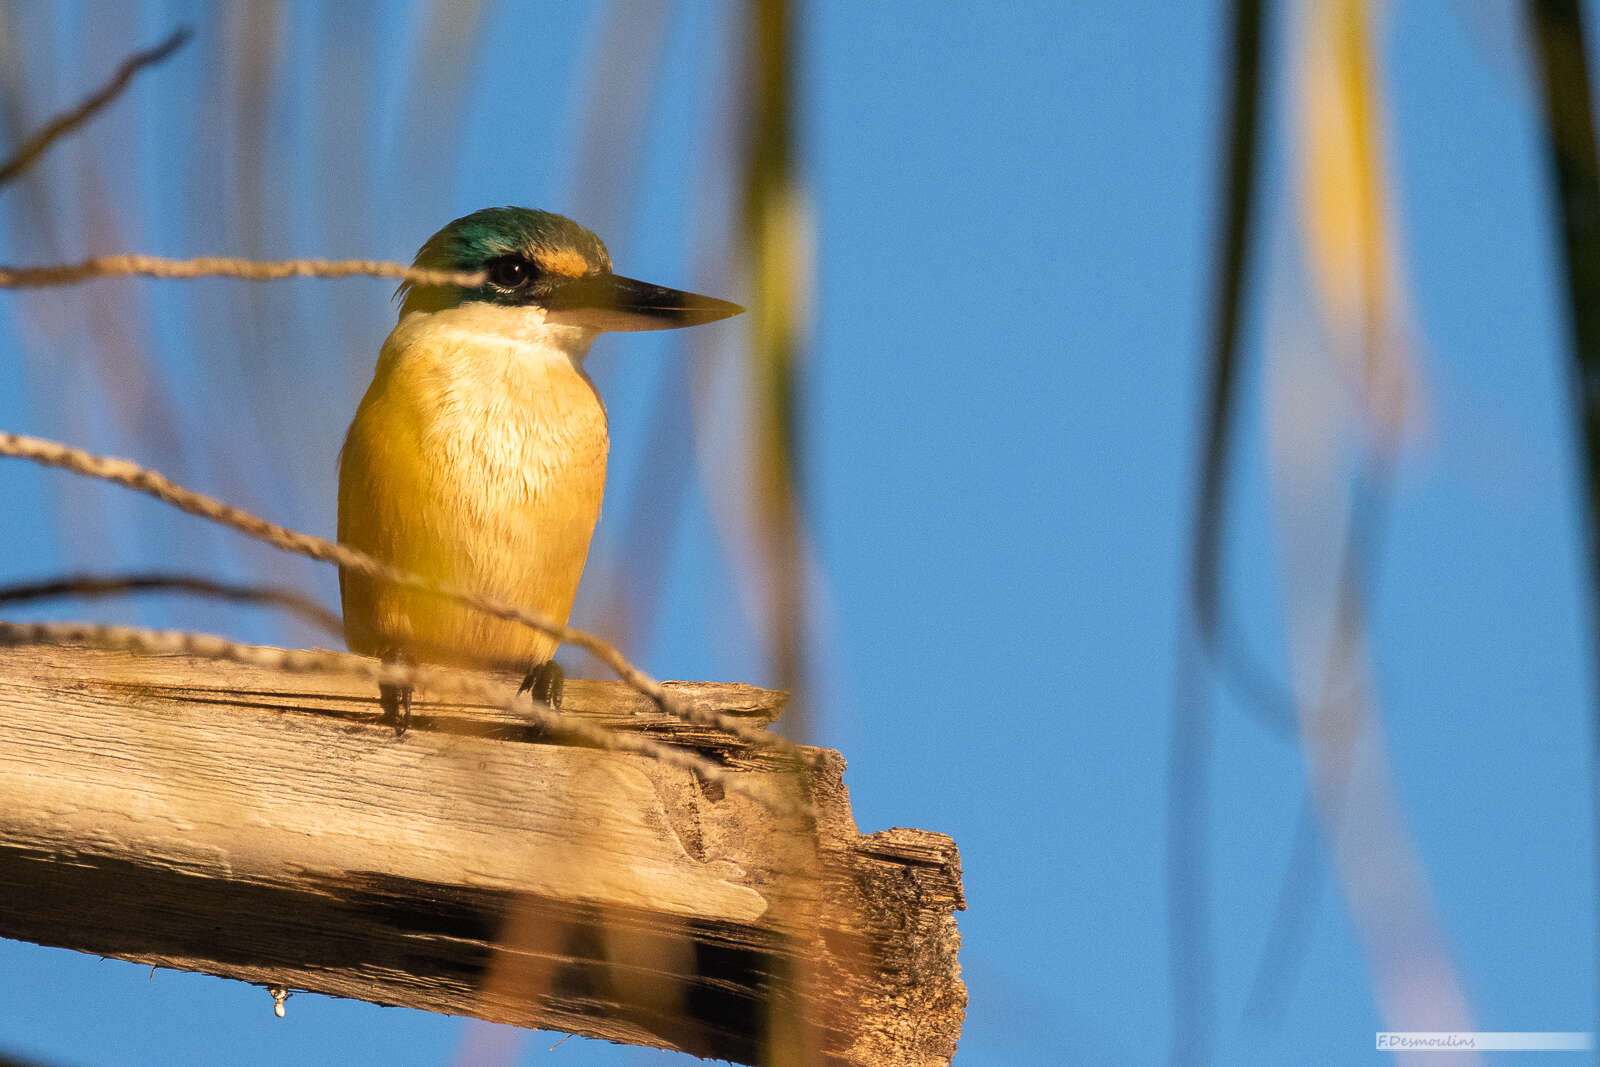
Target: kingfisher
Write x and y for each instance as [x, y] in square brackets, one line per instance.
[477, 456]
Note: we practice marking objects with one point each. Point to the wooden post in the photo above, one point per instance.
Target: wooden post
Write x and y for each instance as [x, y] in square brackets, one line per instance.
[262, 826]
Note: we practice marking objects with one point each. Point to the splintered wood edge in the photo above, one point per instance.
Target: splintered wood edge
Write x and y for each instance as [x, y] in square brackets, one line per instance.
[884, 983]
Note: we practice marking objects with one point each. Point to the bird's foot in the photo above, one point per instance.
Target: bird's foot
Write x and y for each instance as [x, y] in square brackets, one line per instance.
[396, 701]
[545, 682]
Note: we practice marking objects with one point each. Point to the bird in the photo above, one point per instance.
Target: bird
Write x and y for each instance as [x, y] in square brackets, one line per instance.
[477, 456]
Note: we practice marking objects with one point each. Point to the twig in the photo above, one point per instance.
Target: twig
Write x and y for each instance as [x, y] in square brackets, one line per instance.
[101, 585]
[228, 267]
[455, 684]
[126, 473]
[64, 123]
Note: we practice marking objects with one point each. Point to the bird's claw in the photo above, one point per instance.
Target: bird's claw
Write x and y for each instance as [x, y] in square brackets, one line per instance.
[546, 682]
[396, 701]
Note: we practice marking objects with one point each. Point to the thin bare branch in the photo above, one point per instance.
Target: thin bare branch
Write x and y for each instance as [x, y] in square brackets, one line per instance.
[127, 473]
[67, 121]
[104, 585]
[228, 267]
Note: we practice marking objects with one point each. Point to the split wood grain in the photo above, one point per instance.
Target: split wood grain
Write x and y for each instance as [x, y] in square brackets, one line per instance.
[263, 826]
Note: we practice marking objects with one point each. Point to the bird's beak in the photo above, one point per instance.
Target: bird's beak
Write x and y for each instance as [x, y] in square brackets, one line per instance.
[612, 302]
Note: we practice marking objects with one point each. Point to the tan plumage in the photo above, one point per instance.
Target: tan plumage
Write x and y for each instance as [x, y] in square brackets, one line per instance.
[477, 456]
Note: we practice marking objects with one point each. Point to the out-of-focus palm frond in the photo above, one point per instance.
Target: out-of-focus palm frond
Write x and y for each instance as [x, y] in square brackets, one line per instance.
[1355, 373]
[775, 235]
[1347, 213]
[1565, 83]
[1188, 857]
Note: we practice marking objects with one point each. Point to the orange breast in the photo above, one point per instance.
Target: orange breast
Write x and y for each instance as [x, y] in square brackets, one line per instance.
[480, 464]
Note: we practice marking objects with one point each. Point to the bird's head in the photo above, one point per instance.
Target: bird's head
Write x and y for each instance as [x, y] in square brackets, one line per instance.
[540, 260]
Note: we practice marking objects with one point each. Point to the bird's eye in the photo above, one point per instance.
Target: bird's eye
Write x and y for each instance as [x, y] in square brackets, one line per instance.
[508, 272]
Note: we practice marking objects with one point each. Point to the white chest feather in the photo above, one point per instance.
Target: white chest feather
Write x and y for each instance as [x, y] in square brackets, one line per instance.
[511, 423]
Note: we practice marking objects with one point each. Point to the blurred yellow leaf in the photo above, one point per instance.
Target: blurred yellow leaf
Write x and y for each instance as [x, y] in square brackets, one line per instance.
[1347, 211]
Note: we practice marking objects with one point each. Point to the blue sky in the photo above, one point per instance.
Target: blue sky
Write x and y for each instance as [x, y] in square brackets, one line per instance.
[1013, 218]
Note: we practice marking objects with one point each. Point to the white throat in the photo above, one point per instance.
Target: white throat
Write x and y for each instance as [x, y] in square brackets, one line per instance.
[479, 323]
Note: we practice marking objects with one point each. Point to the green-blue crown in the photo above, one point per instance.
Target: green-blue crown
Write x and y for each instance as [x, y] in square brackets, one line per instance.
[548, 243]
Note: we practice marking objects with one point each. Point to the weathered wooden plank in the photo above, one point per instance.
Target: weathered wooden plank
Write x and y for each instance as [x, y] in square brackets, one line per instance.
[237, 821]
